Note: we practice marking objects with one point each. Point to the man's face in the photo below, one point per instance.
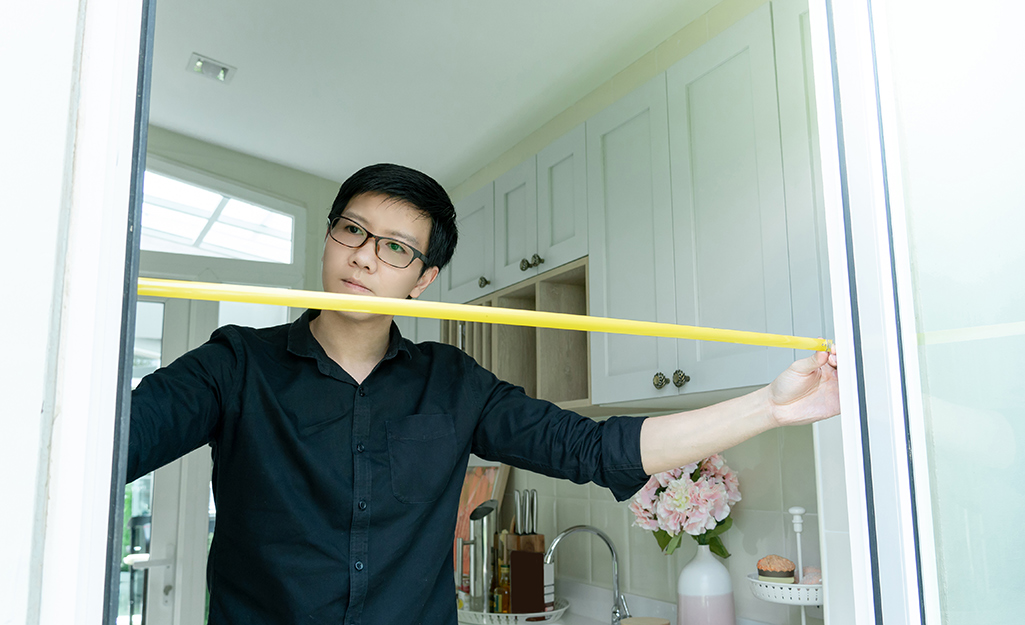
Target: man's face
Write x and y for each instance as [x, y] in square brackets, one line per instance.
[358, 270]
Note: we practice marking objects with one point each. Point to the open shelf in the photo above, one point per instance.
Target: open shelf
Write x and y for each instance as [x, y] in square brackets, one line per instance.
[548, 364]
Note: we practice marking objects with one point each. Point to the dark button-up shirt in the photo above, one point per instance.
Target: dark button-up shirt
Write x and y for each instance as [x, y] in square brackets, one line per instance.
[337, 500]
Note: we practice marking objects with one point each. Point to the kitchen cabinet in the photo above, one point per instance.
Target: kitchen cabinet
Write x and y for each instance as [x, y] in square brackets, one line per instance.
[630, 247]
[516, 224]
[541, 211]
[548, 364]
[729, 212]
[699, 238]
[471, 273]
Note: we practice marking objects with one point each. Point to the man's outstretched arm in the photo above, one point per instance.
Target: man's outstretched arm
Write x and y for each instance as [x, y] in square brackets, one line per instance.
[804, 393]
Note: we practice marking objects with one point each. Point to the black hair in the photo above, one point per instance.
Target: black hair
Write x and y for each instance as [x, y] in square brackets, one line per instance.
[415, 188]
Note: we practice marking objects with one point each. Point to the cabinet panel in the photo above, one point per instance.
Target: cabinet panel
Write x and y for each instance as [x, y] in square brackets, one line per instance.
[474, 258]
[562, 200]
[515, 223]
[806, 229]
[630, 241]
[728, 210]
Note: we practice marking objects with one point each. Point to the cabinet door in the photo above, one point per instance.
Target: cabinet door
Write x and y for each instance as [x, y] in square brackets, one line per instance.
[471, 273]
[806, 230]
[630, 242]
[562, 200]
[729, 217]
[515, 223]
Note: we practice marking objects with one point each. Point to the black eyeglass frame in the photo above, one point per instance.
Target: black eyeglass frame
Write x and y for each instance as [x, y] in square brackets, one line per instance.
[377, 241]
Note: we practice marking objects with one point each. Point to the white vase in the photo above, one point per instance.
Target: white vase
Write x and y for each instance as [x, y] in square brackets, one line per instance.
[705, 592]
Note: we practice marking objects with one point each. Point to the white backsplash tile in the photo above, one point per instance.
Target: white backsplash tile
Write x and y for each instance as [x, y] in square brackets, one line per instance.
[610, 517]
[838, 582]
[831, 471]
[564, 489]
[573, 559]
[797, 457]
[757, 463]
[754, 534]
[651, 573]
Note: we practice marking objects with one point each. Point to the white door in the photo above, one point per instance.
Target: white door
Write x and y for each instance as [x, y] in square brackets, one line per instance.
[631, 242]
[729, 217]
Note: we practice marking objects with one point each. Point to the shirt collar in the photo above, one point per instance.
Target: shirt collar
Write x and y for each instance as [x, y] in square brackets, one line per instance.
[302, 343]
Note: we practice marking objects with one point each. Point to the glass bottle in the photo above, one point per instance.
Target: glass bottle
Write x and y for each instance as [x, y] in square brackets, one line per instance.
[500, 592]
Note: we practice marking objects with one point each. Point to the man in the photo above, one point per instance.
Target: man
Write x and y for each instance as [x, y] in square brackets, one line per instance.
[339, 447]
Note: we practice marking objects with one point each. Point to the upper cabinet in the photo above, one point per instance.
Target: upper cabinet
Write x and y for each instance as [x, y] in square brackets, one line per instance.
[712, 254]
[678, 196]
[729, 214]
[631, 240]
[541, 211]
[562, 200]
[516, 224]
[471, 273]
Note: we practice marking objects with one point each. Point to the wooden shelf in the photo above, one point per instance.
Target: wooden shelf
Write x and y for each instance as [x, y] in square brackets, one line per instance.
[548, 364]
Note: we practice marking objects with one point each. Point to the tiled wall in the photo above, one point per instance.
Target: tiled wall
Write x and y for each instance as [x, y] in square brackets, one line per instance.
[776, 471]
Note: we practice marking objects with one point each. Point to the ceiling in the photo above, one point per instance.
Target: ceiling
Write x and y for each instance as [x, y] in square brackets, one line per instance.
[445, 86]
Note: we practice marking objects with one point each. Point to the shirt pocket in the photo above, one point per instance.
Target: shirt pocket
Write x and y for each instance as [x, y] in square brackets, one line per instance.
[422, 454]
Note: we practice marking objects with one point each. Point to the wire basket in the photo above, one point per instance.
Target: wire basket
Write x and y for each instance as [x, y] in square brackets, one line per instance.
[484, 618]
[792, 594]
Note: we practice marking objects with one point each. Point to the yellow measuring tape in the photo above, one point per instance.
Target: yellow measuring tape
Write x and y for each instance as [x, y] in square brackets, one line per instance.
[463, 312]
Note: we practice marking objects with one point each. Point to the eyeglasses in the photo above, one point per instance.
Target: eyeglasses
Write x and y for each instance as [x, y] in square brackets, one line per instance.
[390, 251]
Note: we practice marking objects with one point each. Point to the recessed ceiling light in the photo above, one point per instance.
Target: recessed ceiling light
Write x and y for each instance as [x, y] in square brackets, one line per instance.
[214, 70]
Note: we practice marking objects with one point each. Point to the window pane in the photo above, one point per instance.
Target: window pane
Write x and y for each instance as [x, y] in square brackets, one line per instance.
[160, 187]
[181, 218]
[961, 131]
[242, 243]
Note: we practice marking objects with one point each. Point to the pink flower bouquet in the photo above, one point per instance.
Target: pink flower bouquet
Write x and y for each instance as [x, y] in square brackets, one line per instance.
[695, 499]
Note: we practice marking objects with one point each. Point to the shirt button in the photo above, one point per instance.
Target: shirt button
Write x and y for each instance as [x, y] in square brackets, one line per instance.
[359, 565]
[360, 448]
[362, 392]
[362, 505]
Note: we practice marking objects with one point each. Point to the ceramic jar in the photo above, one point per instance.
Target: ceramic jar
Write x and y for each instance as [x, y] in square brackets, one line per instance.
[705, 592]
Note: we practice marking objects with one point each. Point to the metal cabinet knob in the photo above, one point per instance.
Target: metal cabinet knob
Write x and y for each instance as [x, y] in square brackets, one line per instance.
[680, 378]
[660, 380]
[534, 261]
[483, 282]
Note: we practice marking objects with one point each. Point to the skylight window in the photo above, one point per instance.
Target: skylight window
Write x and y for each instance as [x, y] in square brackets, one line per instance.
[181, 218]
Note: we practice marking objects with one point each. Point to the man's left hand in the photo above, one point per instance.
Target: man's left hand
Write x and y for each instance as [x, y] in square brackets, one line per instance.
[807, 391]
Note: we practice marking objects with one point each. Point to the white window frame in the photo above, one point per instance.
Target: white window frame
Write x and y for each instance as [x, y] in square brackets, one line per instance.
[889, 506]
[229, 270]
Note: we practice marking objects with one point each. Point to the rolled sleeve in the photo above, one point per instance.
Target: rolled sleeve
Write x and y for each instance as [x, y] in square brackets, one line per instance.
[539, 436]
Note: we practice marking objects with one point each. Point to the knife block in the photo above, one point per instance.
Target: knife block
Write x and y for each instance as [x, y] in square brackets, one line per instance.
[526, 542]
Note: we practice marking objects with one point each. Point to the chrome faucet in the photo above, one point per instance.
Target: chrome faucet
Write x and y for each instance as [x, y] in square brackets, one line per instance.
[619, 608]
